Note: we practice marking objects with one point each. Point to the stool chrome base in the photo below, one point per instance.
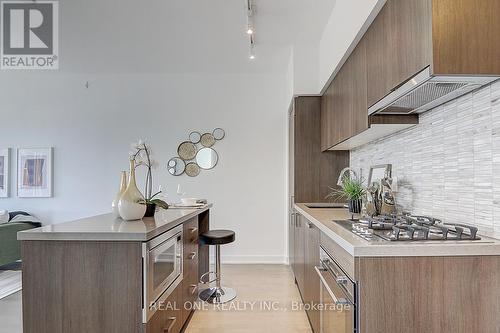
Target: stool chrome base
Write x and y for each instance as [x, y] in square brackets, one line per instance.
[217, 295]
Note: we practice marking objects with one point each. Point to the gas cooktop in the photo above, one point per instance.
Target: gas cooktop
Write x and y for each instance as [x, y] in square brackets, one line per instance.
[407, 227]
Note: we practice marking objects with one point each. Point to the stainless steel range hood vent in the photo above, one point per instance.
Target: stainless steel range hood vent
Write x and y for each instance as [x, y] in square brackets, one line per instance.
[424, 92]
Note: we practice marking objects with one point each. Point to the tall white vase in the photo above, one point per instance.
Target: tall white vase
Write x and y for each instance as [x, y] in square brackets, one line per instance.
[131, 205]
[123, 187]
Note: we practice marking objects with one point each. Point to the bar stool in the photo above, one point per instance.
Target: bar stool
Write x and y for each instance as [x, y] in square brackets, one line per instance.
[217, 294]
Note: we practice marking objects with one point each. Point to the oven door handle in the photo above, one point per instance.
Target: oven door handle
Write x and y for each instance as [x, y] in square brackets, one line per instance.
[336, 300]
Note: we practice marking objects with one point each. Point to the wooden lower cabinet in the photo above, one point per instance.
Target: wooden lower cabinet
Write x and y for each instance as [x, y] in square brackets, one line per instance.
[311, 279]
[191, 272]
[299, 251]
[404, 294]
[429, 294]
[168, 319]
[305, 257]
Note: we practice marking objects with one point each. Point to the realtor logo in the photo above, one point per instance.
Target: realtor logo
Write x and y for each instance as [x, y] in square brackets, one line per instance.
[29, 35]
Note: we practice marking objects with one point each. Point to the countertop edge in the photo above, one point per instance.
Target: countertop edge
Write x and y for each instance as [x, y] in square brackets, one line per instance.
[448, 249]
[330, 233]
[31, 235]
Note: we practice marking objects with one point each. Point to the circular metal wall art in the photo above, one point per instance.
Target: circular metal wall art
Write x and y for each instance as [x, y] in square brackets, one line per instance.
[194, 137]
[176, 166]
[218, 134]
[207, 140]
[192, 169]
[187, 150]
[207, 158]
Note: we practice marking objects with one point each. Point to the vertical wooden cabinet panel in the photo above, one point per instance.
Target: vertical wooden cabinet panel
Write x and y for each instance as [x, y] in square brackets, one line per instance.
[313, 170]
[412, 31]
[341, 108]
[356, 65]
[307, 147]
[344, 111]
[326, 118]
[300, 239]
[466, 38]
[399, 45]
[311, 278]
[379, 56]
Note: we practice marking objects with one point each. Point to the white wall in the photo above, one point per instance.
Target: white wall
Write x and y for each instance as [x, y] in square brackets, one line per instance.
[91, 129]
[348, 21]
[305, 69]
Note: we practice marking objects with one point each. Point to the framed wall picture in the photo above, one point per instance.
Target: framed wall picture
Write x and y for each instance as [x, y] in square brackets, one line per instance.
[34, 172]
[4, 172]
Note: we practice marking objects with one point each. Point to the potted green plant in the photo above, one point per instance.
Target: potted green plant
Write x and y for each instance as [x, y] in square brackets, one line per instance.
[141, 155]
[352, 189]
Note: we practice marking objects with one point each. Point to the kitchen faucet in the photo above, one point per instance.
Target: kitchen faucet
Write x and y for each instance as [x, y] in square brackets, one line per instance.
[343, 172]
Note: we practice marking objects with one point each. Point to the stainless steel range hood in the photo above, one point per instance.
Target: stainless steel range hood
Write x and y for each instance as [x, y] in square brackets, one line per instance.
[424, 92]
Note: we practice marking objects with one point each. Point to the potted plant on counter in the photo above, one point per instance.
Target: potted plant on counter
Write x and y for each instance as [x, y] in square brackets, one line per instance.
[352, 189]
[141, 155]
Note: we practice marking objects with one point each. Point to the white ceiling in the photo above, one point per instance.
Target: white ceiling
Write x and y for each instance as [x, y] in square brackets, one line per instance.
[185, 36]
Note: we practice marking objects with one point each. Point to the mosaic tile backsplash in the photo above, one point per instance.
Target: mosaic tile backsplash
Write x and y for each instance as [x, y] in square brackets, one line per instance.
[448, 166]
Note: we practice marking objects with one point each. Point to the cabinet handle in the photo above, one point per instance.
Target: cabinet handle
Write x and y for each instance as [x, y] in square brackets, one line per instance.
[309, 225]
[192, 255]
[172, 323]
[195, 288]
[193, 230]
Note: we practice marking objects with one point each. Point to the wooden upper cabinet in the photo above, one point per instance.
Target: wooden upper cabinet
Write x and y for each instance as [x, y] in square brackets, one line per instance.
[466, 37]
[358, 89]
[313, 170]
[452, 37]
[398, 45]
[343, 107]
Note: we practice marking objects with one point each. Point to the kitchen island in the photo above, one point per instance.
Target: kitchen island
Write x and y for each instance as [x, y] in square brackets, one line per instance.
[405, 286]
[96, 274]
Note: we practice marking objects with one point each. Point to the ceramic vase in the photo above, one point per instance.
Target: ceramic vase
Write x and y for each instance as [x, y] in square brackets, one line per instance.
[123, 187]
[131, 205]
[355, 206]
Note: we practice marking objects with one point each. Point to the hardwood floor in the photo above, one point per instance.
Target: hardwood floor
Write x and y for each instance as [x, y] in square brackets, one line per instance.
[259, 285]
[11, 320]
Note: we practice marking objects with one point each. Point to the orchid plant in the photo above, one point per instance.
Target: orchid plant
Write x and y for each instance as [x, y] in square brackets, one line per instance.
[141, 154]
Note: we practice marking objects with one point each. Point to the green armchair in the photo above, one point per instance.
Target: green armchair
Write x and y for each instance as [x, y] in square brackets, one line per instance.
[10, 247]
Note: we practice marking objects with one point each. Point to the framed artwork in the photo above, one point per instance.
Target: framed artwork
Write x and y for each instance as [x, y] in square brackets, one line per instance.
[4, 172]
[34, 172]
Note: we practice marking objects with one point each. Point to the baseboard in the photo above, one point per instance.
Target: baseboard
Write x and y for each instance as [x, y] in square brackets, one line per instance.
[229, 259]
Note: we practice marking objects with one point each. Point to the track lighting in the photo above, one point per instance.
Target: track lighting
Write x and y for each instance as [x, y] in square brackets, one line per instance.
[252, 51]
[250, 28]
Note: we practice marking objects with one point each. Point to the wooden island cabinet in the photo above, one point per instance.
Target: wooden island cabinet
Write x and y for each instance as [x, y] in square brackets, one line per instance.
[89, 275]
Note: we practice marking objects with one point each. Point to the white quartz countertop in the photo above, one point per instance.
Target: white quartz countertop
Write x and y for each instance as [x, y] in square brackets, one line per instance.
[107, 228]
[324, 218]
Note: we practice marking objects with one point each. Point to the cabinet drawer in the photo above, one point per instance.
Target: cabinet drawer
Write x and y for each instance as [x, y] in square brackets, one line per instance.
[189, 295]
[168, 318]
[341, 256]
[191, 231]
[190, 266]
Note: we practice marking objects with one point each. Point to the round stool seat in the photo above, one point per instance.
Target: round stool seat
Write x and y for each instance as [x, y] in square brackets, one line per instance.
[217, 237]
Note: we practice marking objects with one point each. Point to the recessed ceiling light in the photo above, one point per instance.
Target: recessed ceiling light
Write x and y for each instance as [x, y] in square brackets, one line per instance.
[250, 31]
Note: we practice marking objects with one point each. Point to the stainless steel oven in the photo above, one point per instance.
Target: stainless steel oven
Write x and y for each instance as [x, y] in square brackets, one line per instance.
[162, 269]
[338, 297]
